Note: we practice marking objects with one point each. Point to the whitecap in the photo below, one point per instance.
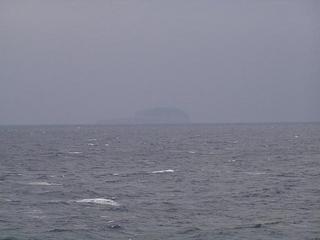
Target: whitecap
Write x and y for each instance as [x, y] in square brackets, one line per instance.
[74, 152]
[35, 213]
[5, 200]
[102, 201]
[43, 184]
[164, 171]
[191, 152]
[90, 144]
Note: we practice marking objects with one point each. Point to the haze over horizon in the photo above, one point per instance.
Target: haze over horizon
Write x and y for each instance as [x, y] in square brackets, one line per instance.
[77, 61]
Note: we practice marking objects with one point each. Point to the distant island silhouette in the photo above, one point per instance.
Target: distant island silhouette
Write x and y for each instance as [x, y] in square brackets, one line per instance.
[161, 115]
[158, 115]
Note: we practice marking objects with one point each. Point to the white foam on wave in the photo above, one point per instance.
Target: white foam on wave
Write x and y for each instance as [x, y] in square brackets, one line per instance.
[74, 152]
[43, 184]
[5, 200]
[35, 213]
[102, 201]
[191, 152]
[164, 171]
[90, 144]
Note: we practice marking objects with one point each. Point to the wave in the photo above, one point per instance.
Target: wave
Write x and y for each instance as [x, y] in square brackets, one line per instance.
[102, 201]
[255, 173]
[6, 200]
[58, 230]
[9, 238]
[43, 184]
[258, 225]
[164, 171]
[74, 152]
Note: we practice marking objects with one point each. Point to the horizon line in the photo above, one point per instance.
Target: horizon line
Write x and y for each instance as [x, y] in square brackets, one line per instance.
[157, 124]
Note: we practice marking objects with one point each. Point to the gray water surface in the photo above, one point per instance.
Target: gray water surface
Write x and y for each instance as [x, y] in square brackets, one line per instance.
[232, 181]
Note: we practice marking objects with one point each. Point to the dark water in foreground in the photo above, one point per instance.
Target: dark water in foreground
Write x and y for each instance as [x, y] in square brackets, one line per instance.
[160, 182]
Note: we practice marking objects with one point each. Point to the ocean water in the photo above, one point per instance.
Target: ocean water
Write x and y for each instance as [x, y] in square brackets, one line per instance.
[232, 181]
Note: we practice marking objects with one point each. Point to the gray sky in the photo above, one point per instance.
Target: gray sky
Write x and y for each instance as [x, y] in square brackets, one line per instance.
[76, 61]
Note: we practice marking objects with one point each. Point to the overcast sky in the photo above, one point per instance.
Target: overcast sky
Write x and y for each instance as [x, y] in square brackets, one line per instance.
[76, 61]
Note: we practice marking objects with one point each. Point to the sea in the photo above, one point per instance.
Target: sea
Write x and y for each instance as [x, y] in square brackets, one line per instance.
[170, 182]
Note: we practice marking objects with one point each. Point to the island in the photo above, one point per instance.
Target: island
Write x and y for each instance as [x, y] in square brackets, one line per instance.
[161, 115]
